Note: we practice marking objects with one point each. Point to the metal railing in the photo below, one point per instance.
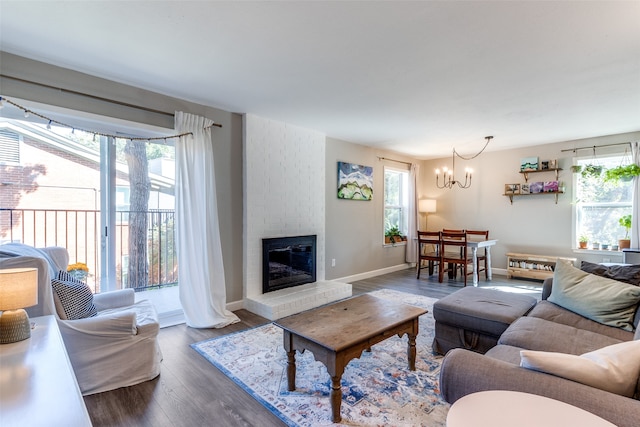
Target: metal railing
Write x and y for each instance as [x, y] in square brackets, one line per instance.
[79, 232]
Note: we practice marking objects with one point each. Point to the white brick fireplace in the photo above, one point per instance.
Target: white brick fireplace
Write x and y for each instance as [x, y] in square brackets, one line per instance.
[284, 191]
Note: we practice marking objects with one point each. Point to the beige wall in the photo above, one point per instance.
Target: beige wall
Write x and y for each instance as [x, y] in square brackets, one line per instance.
[533, 224]
[355, 228]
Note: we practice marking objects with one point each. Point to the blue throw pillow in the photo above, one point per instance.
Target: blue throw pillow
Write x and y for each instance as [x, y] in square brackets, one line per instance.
[75, 296]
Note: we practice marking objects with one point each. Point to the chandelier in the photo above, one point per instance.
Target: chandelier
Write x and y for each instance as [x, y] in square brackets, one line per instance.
[449, 175]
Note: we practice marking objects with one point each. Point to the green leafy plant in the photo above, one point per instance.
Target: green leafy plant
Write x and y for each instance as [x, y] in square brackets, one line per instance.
[583, 238]
[622, 173]
[576, 168]
[625, 222]
[393, 234]
[591, 170]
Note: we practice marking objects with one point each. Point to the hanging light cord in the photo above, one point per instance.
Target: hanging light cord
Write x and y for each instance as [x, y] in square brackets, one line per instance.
[488, 138]
[28, 112]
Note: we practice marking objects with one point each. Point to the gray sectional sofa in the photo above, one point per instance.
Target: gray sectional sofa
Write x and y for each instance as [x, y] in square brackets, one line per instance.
[548, 327]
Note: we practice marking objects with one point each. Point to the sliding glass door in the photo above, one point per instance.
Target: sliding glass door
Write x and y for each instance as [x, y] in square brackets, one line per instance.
[108, 200]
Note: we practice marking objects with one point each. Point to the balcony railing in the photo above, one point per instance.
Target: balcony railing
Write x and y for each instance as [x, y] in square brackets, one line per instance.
[79, 232]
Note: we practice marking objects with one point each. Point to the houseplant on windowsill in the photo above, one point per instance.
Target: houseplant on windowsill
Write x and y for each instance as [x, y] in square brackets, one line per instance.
[625, 222]
[393, 236]
[582, 241]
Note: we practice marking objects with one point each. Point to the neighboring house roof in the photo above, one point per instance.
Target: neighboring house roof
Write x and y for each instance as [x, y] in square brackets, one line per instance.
[158, 182]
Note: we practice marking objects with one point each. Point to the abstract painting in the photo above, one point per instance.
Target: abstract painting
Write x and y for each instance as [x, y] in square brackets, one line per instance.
[355, 182]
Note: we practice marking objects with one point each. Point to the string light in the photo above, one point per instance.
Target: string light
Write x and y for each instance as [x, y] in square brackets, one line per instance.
[28, 112]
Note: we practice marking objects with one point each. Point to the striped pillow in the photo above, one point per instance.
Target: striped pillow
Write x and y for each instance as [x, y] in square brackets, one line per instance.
[75, 296]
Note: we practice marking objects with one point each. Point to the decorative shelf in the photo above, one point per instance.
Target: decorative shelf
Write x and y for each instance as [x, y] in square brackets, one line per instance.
[511, 196]
[526, 173]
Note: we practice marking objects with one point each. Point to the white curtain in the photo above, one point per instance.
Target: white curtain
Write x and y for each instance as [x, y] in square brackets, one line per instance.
[202, 285]
[635, 212]
[411, 253]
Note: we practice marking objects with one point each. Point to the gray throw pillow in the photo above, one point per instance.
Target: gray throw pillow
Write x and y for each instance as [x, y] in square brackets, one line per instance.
[603, 300]
[622, 273]
[74, 295]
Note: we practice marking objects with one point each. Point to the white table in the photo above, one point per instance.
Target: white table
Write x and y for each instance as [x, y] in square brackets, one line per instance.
[474, 245]
[37, 383]
[499, 408]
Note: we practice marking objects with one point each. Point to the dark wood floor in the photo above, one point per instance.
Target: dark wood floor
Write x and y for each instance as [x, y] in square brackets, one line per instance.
[191, 392]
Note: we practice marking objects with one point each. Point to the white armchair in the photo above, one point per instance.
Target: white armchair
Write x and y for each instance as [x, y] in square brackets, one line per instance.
[116, 348]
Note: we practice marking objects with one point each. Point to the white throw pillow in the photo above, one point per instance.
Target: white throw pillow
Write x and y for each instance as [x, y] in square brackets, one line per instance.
[615, 368]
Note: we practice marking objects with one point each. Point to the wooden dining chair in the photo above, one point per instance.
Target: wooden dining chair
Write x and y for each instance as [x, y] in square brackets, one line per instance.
[481, 255]
[453, 247]
[453, 273]
[429, 250]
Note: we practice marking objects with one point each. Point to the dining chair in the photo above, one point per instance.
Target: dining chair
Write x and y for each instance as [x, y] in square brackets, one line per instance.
[453, 247]
[453, 273]
[477, 235]
[429, 250]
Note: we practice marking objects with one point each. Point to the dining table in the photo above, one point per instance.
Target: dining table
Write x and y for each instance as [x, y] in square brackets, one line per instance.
[474, 245]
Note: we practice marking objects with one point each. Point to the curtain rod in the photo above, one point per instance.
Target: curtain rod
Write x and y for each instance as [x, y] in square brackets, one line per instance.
[98, 98]
[595, 146]
[394, 160]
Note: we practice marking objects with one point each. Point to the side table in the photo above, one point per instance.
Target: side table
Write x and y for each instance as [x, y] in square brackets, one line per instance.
[501, 408]
[37, 384]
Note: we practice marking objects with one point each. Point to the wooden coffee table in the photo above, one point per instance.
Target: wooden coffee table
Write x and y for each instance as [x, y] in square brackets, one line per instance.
[339, 332]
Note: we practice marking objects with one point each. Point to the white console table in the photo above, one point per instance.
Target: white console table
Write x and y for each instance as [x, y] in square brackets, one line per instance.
[37, 383]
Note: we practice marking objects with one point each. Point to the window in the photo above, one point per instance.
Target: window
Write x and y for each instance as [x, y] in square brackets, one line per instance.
[599, 205]
[9, 146]
[396, 196]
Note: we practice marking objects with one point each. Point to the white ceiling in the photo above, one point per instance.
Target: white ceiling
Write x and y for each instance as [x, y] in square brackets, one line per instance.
[414, 77]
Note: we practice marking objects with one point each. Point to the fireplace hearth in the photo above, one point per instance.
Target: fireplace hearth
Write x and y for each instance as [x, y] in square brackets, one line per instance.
[288, 262]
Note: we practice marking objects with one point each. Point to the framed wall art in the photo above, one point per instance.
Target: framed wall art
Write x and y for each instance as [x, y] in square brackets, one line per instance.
[355, 182]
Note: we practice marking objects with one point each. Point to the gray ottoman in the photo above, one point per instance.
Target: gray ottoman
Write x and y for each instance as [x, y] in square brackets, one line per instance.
[474, 318]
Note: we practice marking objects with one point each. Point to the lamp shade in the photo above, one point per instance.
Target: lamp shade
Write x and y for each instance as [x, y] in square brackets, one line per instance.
[427, 205]
[18, 288]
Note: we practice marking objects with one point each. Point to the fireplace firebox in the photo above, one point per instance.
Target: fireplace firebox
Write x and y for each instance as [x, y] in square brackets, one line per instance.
[287, 262]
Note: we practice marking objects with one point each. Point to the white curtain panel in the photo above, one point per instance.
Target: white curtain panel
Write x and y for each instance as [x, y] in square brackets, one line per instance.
[411, 253]
[635, 212]
[202, 285]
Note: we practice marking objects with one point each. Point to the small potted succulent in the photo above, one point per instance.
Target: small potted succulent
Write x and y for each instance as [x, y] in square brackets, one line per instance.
[582, 241]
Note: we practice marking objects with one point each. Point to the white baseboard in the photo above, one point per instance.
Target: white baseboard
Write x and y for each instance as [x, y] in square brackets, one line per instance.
[374, 273]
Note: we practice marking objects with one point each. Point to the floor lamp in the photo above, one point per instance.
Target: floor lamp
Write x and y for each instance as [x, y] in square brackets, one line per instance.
[426, 206]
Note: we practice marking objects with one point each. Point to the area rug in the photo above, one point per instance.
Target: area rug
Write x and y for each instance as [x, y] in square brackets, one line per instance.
[378, 389]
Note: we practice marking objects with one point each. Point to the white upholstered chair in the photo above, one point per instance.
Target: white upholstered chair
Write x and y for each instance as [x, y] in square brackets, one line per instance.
[116, 348]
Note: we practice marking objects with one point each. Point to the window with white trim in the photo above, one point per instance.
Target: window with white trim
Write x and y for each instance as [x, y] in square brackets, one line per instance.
[600, 204]
[396, 198]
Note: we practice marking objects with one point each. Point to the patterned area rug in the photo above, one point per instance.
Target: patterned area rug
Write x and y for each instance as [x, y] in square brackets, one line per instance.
[378, 389]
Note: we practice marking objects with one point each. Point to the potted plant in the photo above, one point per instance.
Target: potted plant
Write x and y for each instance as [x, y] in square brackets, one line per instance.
[576, 168]
[582, 241]
[392, 235]
[625, 222]
[622, 173]
[591, 170]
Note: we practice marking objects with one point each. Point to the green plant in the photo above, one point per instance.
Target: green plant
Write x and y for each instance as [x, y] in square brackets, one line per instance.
[393, 234]
[622, 173]
[625, 222]
[591, 170]
[576, 168]
[583, 238]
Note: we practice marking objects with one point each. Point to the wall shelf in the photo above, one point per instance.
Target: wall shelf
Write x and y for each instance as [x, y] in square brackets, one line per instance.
[526, 173]
[511, 196]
